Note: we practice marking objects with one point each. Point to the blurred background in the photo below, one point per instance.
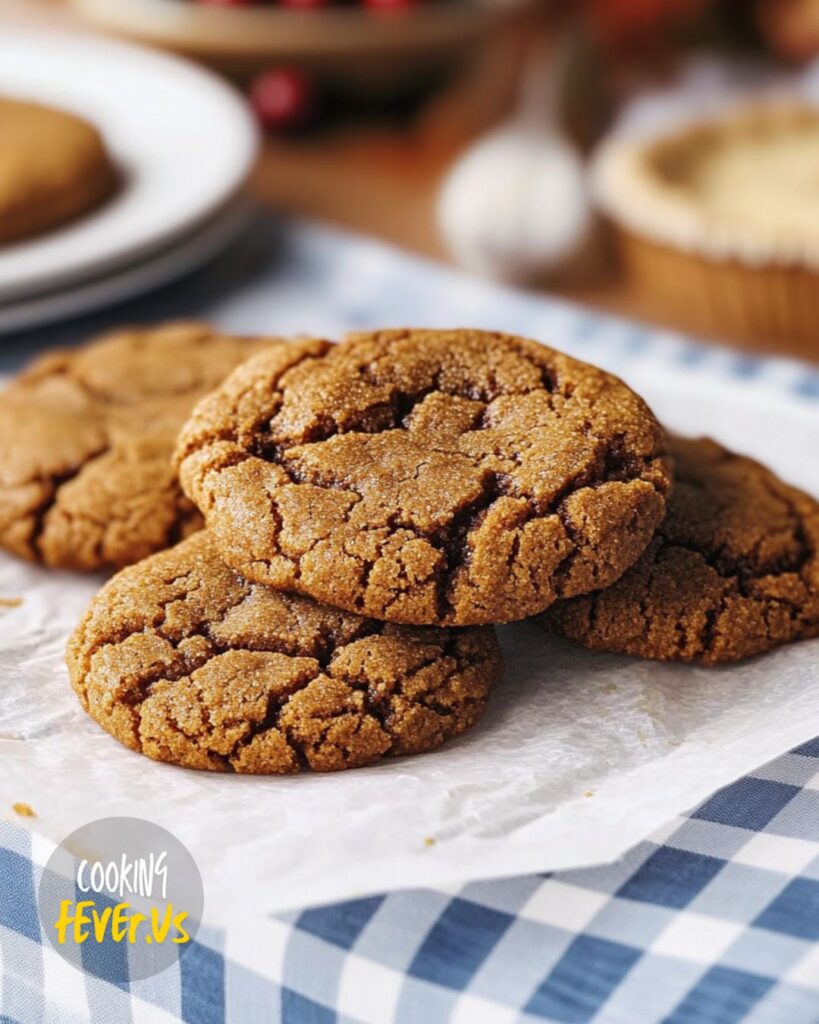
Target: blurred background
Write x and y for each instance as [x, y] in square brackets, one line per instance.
[471, 131]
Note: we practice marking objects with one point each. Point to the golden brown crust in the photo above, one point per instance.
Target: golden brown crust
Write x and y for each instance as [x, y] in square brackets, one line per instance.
[731, 187]
[182, 659]
[732, 572]
[748, 305]
[440, 477]
[53, 167]
[86, 438]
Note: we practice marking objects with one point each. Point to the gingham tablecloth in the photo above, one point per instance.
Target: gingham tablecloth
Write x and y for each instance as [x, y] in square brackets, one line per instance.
[714, 920]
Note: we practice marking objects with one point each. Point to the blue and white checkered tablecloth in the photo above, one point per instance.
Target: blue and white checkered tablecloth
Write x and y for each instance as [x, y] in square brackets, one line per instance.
[714, 920]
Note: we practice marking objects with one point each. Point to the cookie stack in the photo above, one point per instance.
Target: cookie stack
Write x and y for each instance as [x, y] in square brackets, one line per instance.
[372, 510]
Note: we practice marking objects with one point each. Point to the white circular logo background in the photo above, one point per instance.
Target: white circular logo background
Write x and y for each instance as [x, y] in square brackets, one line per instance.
[120, 898]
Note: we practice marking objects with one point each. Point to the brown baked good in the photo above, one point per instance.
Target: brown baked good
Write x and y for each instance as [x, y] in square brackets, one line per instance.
[182, 659]
[733, 570]
[440, 477]
[717, 221]
[86, 437]
[53, 167]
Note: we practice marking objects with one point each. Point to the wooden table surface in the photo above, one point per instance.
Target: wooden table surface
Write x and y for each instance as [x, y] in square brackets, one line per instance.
[382, 179]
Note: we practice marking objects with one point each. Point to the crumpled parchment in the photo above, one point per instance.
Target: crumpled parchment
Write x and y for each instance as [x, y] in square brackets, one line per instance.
[579, 756]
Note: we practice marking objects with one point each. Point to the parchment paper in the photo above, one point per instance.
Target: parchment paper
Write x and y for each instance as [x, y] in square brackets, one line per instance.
[578, 757]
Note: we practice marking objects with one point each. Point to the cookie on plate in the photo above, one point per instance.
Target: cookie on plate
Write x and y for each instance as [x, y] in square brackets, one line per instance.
[53, 167]
[182, 659]
[429, 477]
[733, 570]
[86, 438]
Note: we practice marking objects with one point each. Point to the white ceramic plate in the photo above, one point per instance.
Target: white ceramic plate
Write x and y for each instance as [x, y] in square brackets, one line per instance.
[183, 140]
[183, 256]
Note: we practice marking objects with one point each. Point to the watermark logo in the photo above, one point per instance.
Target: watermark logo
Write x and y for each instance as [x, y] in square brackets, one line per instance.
[121, 898]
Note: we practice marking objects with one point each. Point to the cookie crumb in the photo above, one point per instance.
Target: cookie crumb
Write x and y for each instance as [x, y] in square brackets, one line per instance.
[10, 602]
[429, 841]
[589, 792]
[24, 810]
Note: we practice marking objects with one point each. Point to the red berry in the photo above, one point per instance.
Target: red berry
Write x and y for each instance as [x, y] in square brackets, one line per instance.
[227, 3]
[283, 98]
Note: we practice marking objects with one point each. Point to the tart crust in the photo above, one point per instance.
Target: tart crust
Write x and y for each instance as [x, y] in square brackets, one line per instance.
[719, 222]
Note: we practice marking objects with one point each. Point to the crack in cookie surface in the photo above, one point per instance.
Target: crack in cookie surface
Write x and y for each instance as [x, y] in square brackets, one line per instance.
[733, 570]
[86, 439]
[181, 658]
[427, 477]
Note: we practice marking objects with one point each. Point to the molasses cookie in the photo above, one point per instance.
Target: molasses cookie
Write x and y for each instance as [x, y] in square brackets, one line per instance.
[86, 438]
[182, 659]
[53, 167]
[732, 571]
[429, 477]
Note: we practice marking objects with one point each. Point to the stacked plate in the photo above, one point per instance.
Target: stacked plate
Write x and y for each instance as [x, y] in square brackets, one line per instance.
[184, 143]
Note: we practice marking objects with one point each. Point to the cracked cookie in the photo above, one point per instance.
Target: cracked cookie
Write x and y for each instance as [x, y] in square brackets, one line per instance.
[733, 570]
[86, 439]
[53, 167]
[429, 477]
[182, 659]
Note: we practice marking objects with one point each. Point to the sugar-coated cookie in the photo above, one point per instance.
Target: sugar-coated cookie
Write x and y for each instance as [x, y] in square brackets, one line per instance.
[182, 659]
[53, 167]
[732, 571]
[86, 438]
[429, 477]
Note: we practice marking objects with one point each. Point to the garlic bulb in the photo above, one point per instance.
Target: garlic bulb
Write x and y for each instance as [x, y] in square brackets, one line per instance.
[515, 206]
